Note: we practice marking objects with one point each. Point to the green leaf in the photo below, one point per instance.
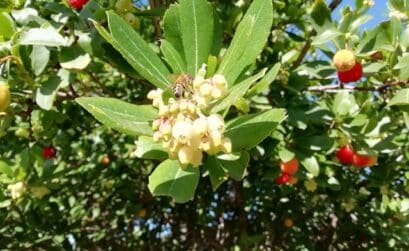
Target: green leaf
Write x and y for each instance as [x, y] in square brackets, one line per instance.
[320, 12]
[196, 22]
[124, 117]
[285, 154]
[263, 84]
[344, 104]
[401, 98]
[7, 27]
[236, 92]
[146, 148]
[312, 166]
[43, 36]
[74, 58]
[6, 169]
[327, 36]
[169, 179]
[248, 41]
[402, 66]
[135, 50]
[173, 57]
[46, 94]
[248, 131]
[40, 56]
[227, 165]
[172, 29]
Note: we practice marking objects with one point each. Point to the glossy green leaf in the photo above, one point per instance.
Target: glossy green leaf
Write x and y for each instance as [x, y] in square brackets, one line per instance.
[248, 131]
[320, 12]
[196, 22]
[39, 56]
[172, 57]
[172, 29]
[146, 148]
[74, 58]
[248, 41]
[43, 36]
[6, 169]
[325, 37]
[401, 98]
[119, 115]
[135, 50]
[344, 104]
[47, 93]
[169, 179]
[263, 84]
[236, 92]
[7, 27]
[312, 166]
[224, 166]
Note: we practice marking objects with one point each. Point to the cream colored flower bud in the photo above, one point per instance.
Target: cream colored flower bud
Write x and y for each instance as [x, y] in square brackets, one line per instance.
[216, 138]
[217, 93]
[163, 110]
[200, 126]
[157, 136]
[152, 94]
[219, 80]
[226, 146]
[197, 82]
[166, 144]
[216, 123]
[182, 131]
[17, 189]
[191, 108]
[206, 89]
[188, 155]
[156, 124]
[174, 108]
[202, 71]
[183, 105]
[205, 144]
[165, 128]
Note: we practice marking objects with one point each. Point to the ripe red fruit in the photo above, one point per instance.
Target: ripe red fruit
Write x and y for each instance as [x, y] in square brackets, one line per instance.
[289, 167]
[345, 154]
[351, 75]
[77, 4]
[283, 178]
[361, 161]
[49, 152]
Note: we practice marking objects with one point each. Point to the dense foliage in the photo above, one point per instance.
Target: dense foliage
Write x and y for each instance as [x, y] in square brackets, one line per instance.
[308, 153]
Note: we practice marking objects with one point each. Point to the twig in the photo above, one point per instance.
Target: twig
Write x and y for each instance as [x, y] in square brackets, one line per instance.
[338, 88]
[156, 22]
[332, 6]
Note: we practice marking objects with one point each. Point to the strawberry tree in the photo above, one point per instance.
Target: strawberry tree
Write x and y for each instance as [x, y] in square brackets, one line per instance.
[197, 124]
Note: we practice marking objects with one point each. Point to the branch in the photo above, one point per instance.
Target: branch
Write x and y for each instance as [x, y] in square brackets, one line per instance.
[339, 88]
[332, 6]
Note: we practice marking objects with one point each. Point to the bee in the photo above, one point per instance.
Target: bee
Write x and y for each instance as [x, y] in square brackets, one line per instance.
[182, 86]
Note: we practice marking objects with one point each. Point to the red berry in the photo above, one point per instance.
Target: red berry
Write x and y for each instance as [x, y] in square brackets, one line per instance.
[77, 4]
[49, 152]
[283, 178]
[361, 161]
[345, 154]
[352, 75]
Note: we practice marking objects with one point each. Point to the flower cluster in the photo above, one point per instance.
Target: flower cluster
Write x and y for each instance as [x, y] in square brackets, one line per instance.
[184, 129]
[16, 189]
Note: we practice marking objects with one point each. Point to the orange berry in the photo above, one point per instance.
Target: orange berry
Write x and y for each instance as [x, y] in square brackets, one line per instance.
[290, 167]
[142, 213]
[293, 180]
[288, 222]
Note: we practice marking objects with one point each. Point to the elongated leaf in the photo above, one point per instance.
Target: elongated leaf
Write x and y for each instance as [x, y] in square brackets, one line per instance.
[311, 164]
[74, 58]
[39, 59]
[119, 115]
[169, 179]
[326, 36]
[172, 30]
[46, 94]
[43, 36]
[248, 131]
[237, 91]
[248, 41]
[173, 57]
[7, 27]
[135, 50]
[196, 22]
[263, 84]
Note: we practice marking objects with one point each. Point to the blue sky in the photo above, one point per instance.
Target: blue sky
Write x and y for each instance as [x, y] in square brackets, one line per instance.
[379, 12]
